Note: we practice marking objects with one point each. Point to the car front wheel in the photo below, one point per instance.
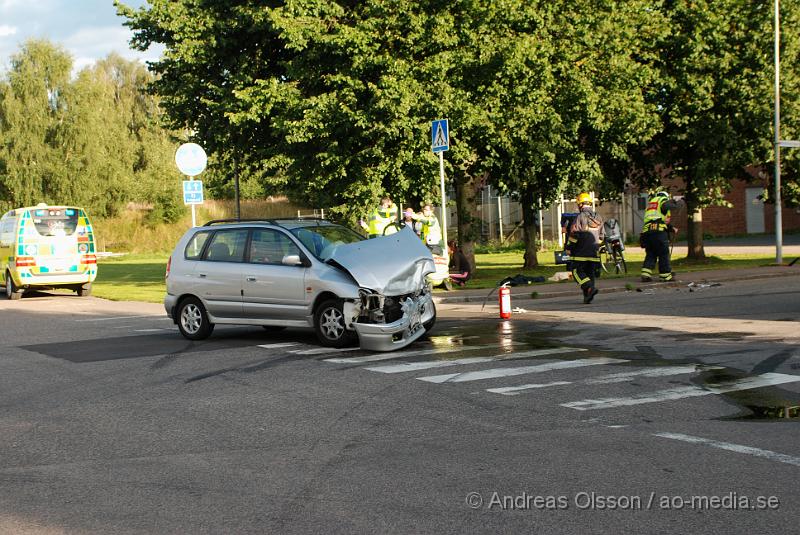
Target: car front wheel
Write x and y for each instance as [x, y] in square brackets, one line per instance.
[428, 325]
[193, 320]
[329, 324]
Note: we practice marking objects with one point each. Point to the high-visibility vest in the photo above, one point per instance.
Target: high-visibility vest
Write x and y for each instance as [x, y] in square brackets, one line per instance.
[654, 220]
[380, 218]
[431, 232]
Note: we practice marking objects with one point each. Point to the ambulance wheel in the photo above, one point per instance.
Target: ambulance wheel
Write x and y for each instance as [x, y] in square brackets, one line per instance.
[193, 322]
[12, 292]
[84, 290]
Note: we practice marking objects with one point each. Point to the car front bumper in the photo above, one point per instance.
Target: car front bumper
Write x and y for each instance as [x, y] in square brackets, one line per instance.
[400, 333]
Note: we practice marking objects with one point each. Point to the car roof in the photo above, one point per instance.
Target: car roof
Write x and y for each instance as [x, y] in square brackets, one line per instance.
[287, 223]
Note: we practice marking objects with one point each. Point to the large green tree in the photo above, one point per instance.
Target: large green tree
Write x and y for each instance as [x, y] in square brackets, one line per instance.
[714, 100]
[94, 140]
[332, 101]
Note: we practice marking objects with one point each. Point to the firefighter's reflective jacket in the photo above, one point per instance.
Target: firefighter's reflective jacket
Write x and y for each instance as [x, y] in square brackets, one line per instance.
[657, 215]
[585, 235]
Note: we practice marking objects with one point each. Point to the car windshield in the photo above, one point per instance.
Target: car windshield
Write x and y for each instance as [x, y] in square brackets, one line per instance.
[324, 239]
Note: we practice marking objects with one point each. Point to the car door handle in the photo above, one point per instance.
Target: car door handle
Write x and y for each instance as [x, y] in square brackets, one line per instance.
[251, 279]
[202, 275]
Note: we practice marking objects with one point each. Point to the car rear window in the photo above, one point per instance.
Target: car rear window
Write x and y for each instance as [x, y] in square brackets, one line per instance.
[195, 246]
[58, 222]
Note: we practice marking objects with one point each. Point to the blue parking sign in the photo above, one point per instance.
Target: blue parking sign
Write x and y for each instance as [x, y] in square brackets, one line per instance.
[192, 192]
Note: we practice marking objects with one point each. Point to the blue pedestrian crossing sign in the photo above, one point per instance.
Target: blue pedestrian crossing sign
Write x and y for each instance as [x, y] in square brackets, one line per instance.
[192, 192]
[440, 136]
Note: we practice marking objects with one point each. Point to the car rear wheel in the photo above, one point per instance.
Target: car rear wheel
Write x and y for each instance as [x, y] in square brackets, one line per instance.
[12, 292]
[329, 324]
[193, 320]
[84, 290]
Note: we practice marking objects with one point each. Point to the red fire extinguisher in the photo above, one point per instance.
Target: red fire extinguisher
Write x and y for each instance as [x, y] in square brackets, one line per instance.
[504, 300]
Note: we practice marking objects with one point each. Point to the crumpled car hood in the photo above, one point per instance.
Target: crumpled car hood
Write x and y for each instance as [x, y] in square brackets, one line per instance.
[390, 265]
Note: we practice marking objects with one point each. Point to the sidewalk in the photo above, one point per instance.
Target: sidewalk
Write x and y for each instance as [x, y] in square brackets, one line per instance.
[569, 288]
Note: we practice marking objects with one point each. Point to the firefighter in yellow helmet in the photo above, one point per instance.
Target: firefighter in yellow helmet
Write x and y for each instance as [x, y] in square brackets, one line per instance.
[654, 238]
[583, 243]
[382, 220]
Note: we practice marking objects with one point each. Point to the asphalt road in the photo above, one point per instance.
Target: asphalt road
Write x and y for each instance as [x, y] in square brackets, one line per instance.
[664, 411]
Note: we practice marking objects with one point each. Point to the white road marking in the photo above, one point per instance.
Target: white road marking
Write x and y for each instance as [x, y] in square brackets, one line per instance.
[738, 448]
[515, 390]
[149, 330]
[321, 350]
[280, 344]
[767, 379]
[507, 372]
[375, 357]
[122, 318]
[603, 379]
[416, 366]
[649, 372]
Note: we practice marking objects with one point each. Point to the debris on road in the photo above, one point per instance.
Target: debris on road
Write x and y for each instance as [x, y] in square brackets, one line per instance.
[518, 310]
[560, 276]
[693, 286]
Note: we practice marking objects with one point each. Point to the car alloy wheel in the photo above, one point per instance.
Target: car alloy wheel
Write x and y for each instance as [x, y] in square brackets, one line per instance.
[193, 320]
[330, 326]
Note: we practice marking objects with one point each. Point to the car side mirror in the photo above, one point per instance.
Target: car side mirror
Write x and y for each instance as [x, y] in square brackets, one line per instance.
[292, 260]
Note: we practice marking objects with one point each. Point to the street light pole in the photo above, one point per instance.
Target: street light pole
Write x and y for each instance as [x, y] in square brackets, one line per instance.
[778, 218]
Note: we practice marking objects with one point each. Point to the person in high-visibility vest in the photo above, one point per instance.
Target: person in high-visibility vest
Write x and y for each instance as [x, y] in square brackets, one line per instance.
[430, 231]
[382, 220]
[654, 238]
[585, 235]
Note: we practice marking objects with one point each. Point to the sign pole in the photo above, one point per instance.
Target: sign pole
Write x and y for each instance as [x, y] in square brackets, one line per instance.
[444, 200]
[194, 217]
[778, 219]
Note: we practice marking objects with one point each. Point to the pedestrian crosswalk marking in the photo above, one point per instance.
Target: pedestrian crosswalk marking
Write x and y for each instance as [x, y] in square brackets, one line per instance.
[321, 350]
[601, 380]
[377, 357]
[507, 372]
[738, 448]
[278, 345]
[417, 366]
[748, 383]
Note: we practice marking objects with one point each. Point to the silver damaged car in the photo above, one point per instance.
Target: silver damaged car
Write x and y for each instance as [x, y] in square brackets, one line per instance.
[302, 273]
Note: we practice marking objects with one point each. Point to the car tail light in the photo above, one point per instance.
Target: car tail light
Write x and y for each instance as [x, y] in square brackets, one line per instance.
[88, 259]
[169, 264]
[25, 261]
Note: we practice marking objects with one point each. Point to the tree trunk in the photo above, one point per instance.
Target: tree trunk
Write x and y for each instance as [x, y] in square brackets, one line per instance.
[467, 188]
[529, 227]
[694, 225]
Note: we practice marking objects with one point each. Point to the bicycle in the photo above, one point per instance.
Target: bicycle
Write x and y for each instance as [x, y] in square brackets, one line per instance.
[614, 258]
[611, 249]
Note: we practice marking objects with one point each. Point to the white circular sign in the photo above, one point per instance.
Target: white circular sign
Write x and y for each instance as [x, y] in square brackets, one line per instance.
[191, 159]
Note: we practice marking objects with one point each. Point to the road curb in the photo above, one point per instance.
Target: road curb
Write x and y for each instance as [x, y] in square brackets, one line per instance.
[452, 300]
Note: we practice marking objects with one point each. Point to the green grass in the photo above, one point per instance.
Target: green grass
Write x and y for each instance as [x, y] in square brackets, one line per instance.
[136, 277]
[140, 277]
[493, 267]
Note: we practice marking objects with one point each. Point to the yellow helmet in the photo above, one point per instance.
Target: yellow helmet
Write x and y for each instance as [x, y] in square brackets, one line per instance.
[584, 198]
